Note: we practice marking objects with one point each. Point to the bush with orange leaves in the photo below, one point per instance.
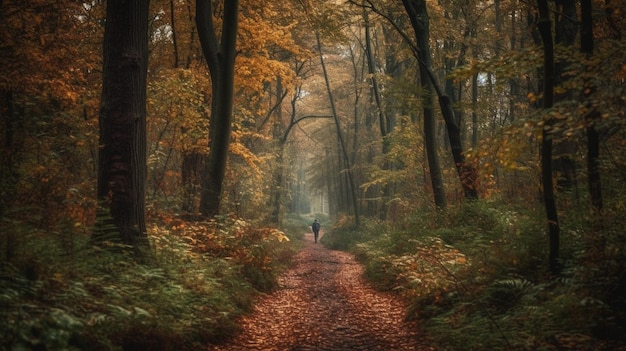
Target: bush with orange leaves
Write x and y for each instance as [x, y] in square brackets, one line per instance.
[258, 251]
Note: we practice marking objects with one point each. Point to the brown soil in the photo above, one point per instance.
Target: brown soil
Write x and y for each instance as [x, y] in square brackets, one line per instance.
[324, 303]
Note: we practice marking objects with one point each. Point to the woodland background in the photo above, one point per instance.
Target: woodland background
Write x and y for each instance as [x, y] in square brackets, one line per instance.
[500, 215]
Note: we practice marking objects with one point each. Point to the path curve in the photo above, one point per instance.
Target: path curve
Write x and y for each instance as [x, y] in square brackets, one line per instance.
[323, 303]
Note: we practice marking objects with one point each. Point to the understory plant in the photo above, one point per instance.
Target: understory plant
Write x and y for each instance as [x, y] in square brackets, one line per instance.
[476, 277]
[180, 296]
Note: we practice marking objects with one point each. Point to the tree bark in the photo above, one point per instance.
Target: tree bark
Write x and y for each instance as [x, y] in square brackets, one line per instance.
[545, 30]
[474, 110]
[419, 20]
[593, 137]
[383, 121]
[277, 175]
[11, 124]
[122, 157]
[174, 32]
[220, 57]
[566, 30]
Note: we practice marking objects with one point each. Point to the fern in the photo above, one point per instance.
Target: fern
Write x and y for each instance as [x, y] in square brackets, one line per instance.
[507, 293]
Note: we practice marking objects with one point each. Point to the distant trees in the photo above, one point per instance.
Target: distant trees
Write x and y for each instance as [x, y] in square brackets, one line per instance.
[505, 90]
[49, 92]
[354, 205]
[419, 44]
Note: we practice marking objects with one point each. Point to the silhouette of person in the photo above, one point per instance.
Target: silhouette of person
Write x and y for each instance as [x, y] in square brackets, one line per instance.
[316, 229]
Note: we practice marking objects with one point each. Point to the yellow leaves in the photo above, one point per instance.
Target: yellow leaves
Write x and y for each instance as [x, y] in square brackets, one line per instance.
[251, 73]
[278, 235]
[426, 271]
[45, 53]
[229, 238]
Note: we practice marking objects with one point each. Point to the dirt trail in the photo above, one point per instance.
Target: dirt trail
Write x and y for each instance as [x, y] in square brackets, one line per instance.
[323, 303]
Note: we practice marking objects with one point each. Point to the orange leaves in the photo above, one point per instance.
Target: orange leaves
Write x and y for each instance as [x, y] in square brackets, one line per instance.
[265, 38]
[325, 304]
[427, 270]
[231, 238]
[43, 49]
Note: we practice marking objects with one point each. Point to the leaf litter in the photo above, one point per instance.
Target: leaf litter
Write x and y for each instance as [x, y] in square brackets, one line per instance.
[324, 303]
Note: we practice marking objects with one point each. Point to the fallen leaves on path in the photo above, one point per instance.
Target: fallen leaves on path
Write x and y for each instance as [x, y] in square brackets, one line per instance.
[324, 303]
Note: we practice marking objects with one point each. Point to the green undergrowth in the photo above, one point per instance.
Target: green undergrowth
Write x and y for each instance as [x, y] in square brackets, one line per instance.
[58, 292]
[477, 279]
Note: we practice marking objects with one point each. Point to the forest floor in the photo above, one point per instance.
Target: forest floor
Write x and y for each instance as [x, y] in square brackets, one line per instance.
[324, 303]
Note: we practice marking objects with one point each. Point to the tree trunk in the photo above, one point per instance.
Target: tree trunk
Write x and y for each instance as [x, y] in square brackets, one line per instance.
[220, 57]
[593, 137]
[277, 175]
[191, 175]
[545, 30]
[467, 173]
[122, 157]
[416, 10]
[383, 121]
[566, 30]
[11, 124]
[174, 32]
[474, 110]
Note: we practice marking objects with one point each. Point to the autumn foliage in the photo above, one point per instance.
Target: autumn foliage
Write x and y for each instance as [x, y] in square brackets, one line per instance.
[258, 250]
[473, 271]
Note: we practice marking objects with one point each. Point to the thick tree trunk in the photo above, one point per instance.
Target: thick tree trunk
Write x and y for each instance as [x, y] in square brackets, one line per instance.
[545, 30]
[122, 157]
[220, 57]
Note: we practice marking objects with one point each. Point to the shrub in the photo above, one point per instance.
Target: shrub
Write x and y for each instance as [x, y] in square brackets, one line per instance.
[476, 277]
[186, 293]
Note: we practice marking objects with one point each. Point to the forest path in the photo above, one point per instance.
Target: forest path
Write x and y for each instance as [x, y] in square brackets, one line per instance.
[323, 303]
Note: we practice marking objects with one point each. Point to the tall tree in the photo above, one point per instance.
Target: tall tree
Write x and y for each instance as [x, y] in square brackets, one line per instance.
[545, 30]
[418, 15]
[566, 29]
[384, 121]
[416, 10]
[220, 56]
[592, 116]
[122, 157]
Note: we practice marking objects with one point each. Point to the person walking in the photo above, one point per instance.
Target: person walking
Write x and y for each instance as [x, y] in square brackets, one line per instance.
[316, 229]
